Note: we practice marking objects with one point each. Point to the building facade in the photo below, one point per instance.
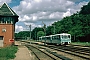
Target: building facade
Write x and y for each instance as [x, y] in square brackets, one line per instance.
[8, 18]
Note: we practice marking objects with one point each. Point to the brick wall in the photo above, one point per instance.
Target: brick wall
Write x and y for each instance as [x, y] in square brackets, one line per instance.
[7, 31]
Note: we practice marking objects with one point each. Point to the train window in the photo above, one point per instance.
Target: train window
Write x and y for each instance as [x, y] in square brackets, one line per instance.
[58, 37]
[65, 36]
[61, 36]
[68, 36]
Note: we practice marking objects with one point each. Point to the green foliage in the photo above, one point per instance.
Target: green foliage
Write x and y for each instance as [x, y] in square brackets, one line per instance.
[49, 30]
[35, 31]
[8, 53]
[85, 9]
[77, 25]
[40, 33]
[81, 43]
[22, 34]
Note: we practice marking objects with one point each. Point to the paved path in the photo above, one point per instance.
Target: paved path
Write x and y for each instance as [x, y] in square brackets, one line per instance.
[23, 53]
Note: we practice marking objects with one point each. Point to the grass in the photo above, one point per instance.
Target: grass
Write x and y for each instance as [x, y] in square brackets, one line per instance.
[82, 43]
[8, 53]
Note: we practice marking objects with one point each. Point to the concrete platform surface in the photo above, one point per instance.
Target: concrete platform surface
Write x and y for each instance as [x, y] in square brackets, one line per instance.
[23, 53]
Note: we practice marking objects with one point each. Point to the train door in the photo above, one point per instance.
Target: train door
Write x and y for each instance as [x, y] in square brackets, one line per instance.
[1, 41]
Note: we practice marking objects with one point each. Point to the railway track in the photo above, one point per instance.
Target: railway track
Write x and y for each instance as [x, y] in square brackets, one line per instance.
[40, 55]
[76, 51]
[81, 53]
[72, 53]
[79, 49]
[45, 54]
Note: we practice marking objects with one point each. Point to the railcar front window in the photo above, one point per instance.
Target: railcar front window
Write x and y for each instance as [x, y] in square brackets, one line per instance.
[65, 37]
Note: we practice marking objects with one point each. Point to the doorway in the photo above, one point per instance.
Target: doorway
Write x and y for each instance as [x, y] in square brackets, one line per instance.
[1, 41]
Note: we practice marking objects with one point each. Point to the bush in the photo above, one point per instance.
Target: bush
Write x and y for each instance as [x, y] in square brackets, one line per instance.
[8, 52]
[82, 43]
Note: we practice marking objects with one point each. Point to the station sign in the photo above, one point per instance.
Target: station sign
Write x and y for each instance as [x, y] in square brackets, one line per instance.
[11, 40]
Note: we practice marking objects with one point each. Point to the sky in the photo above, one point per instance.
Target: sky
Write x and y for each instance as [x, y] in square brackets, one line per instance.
[33, 12]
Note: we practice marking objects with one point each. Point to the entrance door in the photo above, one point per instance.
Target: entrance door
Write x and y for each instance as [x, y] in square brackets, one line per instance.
[1, 41]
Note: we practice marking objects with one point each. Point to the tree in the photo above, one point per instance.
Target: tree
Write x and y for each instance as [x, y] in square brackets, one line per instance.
[40, 33]
[35, 31]
[22, 34]
[49, 30]
[85, 9]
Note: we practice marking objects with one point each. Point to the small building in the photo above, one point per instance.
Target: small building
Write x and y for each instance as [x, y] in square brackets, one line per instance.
[8, 18]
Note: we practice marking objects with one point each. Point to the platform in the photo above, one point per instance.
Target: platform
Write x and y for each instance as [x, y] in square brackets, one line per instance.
[23, 53]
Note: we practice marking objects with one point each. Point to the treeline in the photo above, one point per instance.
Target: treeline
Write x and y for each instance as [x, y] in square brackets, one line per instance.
[78, 25]
[22, 35]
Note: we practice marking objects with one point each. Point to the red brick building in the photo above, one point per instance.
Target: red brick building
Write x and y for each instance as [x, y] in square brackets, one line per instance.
[8, 18]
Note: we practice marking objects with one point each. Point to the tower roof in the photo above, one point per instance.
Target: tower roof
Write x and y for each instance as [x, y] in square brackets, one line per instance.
[5, 10]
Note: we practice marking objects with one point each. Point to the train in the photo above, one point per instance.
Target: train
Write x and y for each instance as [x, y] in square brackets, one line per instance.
[59, 39]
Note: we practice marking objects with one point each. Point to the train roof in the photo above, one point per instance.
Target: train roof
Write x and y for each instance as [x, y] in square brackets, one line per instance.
[56, 34]
[63, 34]
[44, 36]
[51, 35]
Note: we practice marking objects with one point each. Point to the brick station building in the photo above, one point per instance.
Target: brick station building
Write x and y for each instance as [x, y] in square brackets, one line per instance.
[8, 18]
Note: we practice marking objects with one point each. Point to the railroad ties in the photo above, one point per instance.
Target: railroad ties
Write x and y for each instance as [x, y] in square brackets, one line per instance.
[53, 52]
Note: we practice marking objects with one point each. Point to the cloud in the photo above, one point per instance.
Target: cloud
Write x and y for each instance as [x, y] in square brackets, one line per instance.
[78, 1]
[19, 28]
[35, 11]
[4, 1]
[67, 13]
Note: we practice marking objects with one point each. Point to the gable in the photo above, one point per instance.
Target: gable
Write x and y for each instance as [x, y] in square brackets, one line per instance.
[5, 10]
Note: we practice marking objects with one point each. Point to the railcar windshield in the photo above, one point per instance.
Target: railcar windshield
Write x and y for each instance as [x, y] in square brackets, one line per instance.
[65, 36]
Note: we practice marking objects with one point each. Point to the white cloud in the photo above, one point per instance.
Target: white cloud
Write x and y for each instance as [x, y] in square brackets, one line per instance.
[68, 13]
[38, 1]
[4, 1]
[34, 18]
[35, 11]
[19, 28]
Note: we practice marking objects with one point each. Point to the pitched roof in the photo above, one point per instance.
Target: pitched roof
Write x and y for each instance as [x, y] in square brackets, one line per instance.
[5, 10]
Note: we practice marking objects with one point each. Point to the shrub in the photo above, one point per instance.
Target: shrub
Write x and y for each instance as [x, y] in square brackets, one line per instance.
[8, 52]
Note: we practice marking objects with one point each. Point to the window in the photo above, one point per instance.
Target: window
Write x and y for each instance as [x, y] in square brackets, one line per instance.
[68, 36]
[1, 37]
[7, 19]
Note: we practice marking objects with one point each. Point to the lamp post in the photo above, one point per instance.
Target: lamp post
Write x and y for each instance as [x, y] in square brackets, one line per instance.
[30, 31]
[44, 31]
